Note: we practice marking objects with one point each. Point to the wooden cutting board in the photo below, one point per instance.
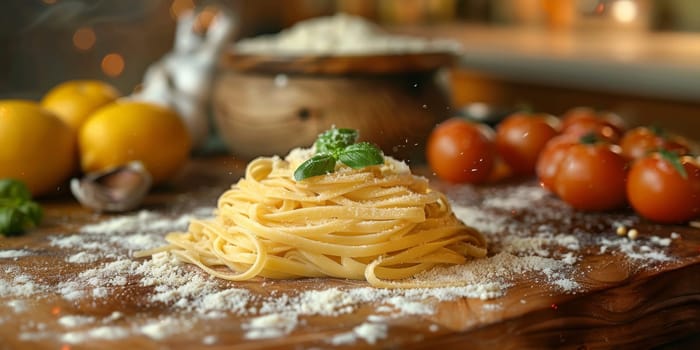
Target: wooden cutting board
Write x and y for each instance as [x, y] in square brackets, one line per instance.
[620, 302]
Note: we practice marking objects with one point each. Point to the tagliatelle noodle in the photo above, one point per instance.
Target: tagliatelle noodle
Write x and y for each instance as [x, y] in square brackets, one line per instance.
[379, 223]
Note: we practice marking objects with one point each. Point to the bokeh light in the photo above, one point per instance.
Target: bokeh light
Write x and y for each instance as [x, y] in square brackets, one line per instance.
[113, 64]
[624, 11]
[84, 38]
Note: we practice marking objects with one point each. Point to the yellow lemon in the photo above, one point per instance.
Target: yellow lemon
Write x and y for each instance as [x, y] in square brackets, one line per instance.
[36, 147]
[74, 101]
[125, 131]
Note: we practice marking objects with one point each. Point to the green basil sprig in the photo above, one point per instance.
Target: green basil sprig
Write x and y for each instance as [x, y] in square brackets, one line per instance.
[335, 140]
[338, 145]
[18, 212]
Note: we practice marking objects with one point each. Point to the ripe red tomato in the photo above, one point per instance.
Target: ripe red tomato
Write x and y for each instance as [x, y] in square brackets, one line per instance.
[640, 141]
[657, 190]
[575, 114]
[461, 151]
[592, 177]
[583, 120]
[521, 137]
[550, 158]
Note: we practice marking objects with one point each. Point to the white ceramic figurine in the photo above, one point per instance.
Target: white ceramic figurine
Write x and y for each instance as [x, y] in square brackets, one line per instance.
[182, 78]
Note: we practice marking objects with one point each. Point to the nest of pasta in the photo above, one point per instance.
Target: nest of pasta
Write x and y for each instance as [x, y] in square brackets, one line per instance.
[380, 223]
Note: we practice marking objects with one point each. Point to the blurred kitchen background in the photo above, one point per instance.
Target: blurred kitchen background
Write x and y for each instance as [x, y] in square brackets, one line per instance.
[640, 58]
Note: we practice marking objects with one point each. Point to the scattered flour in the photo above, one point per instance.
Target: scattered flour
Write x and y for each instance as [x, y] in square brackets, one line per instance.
[116, 315]
[209, 340]
[370, 332]
[19, 284]
[480, 219]
[492, 307]
[662, 242]
[377, 318]
[163, 328]
[520, 198]
[13, 254]
[17, 306]
[109, 274]
[99, 333]
[72, 321]
[143, 230]
[83, 258]
[270, 326]
[641, 250]
[546, 254]
[344, 339]
[145, 222]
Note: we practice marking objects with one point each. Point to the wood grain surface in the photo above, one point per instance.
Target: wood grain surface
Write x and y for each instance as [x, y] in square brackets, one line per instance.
[621, 304]
[338, 65]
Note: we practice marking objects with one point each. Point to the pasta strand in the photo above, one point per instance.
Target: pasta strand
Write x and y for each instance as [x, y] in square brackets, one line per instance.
[378, 223]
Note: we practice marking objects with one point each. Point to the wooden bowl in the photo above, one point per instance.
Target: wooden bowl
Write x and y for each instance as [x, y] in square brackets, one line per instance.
[339, 65]
[266, 105]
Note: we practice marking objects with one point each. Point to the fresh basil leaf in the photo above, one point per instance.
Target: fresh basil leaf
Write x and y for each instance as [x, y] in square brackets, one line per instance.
[335, 140]
[658, 130]
[10, 221]
[319, 164]
[338, 145]
[361, 155]
[32, 214]
[17, 211]
[11, 188]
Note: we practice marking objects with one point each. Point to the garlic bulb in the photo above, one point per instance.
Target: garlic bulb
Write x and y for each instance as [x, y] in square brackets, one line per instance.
[118, 189]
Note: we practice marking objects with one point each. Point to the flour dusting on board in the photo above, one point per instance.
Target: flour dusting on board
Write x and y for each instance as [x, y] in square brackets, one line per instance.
[546, 254]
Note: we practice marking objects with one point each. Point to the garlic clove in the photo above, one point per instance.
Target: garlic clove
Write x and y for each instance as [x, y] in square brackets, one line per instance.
[119, 189]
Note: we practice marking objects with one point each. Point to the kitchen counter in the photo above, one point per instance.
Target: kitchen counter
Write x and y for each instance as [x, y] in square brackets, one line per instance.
[73, 283]
[646, 78]
[649, 64]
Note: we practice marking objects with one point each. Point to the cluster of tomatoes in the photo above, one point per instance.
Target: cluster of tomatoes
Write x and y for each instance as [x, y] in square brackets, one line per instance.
[587, 158]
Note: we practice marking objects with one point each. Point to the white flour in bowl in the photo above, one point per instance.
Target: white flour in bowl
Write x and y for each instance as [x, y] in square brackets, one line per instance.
[339, 35]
